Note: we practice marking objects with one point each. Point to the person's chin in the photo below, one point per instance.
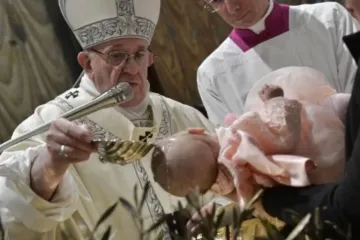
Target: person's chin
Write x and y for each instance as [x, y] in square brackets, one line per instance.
[241, 25]
[244, 22]
[136, 101]
[137, 88]
[131, 103]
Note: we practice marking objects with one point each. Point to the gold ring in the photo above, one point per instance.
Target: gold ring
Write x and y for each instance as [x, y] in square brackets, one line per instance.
[62, 152]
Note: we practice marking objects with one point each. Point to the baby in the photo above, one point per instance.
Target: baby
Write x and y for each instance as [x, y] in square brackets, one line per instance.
[292, 134]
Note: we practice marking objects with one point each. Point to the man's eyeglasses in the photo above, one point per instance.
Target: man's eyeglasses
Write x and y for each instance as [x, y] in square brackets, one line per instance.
[116, 58]
[213, 5]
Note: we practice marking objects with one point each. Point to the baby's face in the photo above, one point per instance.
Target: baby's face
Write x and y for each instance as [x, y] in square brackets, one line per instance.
[186, 161]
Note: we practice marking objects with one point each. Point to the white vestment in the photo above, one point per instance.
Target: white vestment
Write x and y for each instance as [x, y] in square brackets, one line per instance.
[90, 187]
[304, 35]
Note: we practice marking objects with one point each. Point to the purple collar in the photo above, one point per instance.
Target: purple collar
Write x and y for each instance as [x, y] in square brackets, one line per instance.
[275, 24]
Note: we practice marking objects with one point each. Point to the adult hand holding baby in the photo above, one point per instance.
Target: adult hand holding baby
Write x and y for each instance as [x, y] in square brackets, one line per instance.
[251, 168]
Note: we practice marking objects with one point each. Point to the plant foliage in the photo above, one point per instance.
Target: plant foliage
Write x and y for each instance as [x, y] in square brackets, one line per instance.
[213, 225]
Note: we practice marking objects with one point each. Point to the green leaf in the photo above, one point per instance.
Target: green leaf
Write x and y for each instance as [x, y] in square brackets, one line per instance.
[236, 222]
[2, 231]
[63, 234]
[184, 214]
[107, 234]
[318, 224]
[210, 218]
[220, 216]
[145, 194]
[254, 199]
[299, 228]
[240, 217]
[338, 230]
[135, 193]
[180, 206]
[130, 208]
[349, 235]
[193, 199]
[295, 217]
[156, 225]
[272, 232]
[159, 236]
[105, 215]
[227, 232]
[317, 220]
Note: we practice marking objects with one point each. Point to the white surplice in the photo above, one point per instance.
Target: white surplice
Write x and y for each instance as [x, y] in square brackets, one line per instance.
[304, 35]
[90, 187]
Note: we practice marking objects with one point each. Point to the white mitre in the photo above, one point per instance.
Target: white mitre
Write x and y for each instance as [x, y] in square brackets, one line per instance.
[97, 21]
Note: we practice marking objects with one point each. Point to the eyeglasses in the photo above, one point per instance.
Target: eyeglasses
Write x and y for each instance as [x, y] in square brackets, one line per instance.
[116, 58]
[213, 5]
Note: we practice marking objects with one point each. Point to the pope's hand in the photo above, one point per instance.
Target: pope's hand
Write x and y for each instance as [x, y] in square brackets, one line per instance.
[66, 143]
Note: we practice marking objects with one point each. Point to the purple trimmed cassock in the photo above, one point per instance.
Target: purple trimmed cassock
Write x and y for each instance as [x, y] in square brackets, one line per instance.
[304, 35]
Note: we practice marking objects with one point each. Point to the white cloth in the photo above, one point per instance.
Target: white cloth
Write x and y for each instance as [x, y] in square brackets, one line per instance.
[88, 188]
[313, 38]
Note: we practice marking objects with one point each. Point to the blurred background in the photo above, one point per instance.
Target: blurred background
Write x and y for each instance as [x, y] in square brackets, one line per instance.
[38, 54]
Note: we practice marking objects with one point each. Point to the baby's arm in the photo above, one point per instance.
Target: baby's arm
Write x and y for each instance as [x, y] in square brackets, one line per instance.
[338, 103]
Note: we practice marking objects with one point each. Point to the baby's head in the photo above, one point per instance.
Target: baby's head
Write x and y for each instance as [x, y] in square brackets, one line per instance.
[186, 161]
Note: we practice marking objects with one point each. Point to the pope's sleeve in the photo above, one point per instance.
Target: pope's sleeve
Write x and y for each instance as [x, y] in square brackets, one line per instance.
[24, 210]
[213, 103]
[345, 24]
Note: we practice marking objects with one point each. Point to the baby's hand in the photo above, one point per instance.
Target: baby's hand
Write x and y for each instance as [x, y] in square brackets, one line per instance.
[229, 119]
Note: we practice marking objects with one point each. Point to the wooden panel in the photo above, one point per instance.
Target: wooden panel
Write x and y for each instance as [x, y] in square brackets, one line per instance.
[185, 36]
[32, 68]
[69, 45]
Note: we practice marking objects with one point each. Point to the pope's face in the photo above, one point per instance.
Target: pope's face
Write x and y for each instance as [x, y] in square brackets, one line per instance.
[353, 6]
[239, 13]
[107, 66]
